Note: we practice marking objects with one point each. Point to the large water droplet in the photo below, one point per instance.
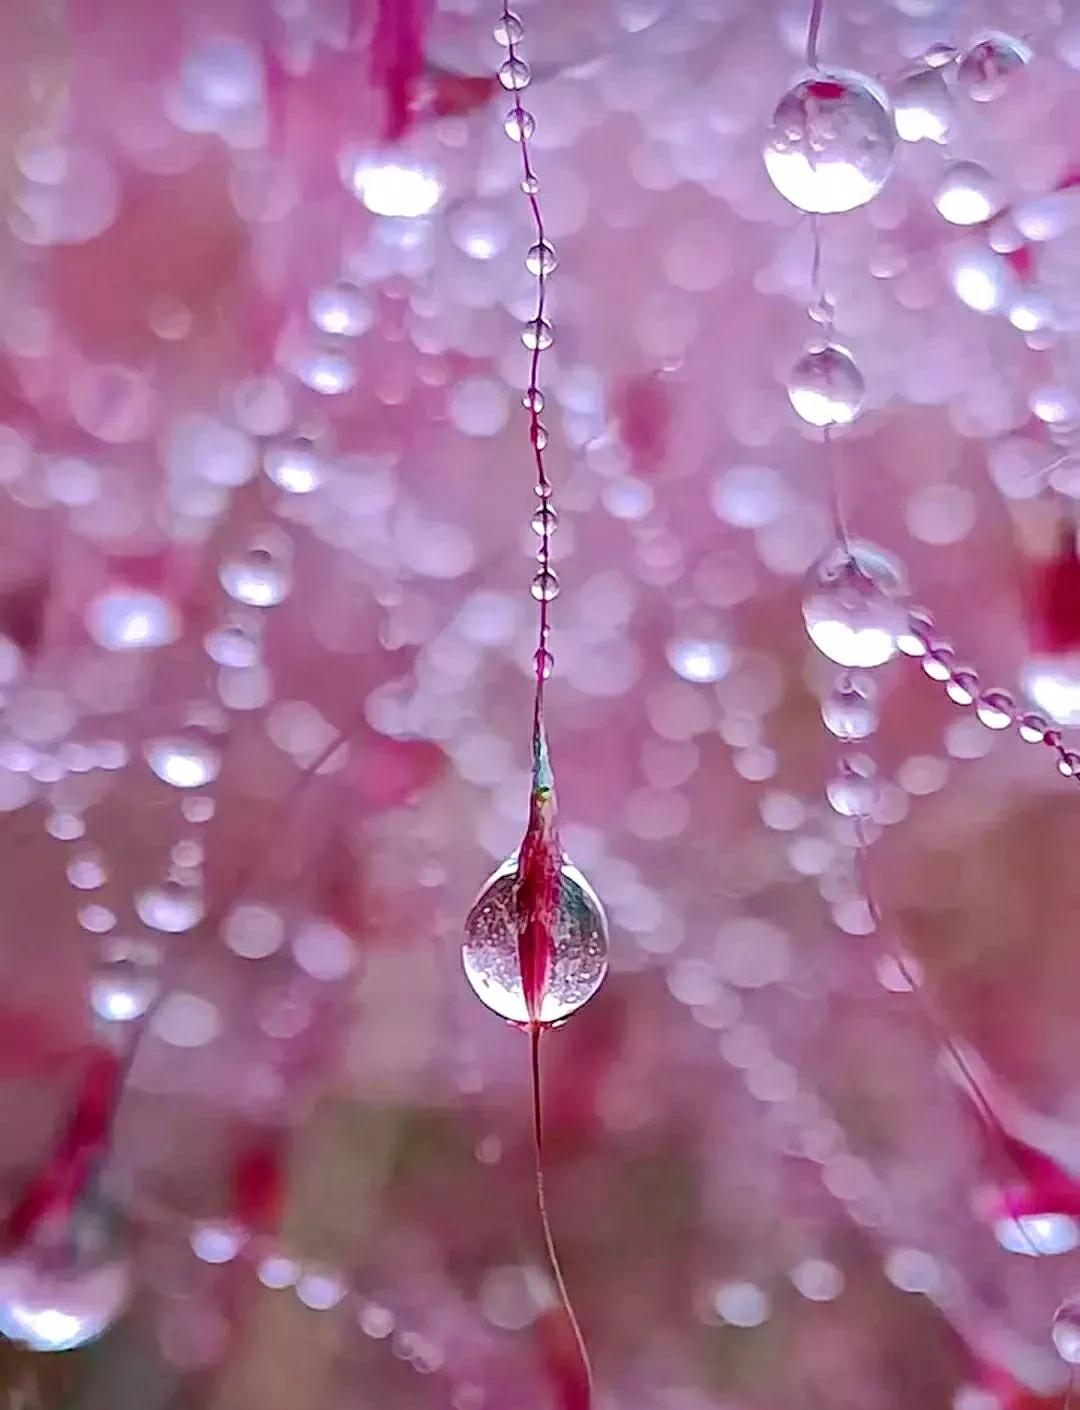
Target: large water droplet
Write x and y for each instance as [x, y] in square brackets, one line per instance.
[826, 387]
[55, 1299]
[580, 942]
[987, 66]
[851, 611]
[831, 141]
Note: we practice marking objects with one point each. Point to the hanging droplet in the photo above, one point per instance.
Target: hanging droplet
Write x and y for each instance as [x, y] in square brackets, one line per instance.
[822, 310]
[922, 107]
[1032, 729]
[121, 990]
[849, 711]
[508, 30]
[987, 66]
[537, 334]
[515, 74]
[541, 258]
[64, 1288]
[184, 760]
[853, 793]
[831, 141]
[968, 194]
[1065, 1332]
[579, 939]
[545, 520]
[851, 610]
[530, 185]
[234, 643]
[545, 586]
[533, 400]
[1052, 682]
[544, 663]
[294, 466]
[538, 435]
[341, 309]
[258, 577]
[170, 907]
[826, 387]
[519, 125]
[996, 709]
[963, 686]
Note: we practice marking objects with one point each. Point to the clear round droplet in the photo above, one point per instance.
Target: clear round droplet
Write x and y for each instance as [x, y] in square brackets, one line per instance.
[514, 74]
[830, 144]
[541, 258]
[579, 939]
[258, 577]
[987, 66]
[1065, 1332]
[545, 586]
[826, 387]
[519, 125]
[968, 194]
[851, 610]
[1032, 728]
[537, 333]
[545, 520]
[59, 1298]
[508, 30]
[996, 709]
[530, 185]
[184, 760]
[849, 712]
[922, 107]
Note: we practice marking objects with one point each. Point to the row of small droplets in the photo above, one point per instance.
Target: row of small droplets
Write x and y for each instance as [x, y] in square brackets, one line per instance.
[537, 336]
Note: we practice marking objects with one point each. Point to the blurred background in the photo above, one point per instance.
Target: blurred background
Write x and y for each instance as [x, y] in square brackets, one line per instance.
[265, 500]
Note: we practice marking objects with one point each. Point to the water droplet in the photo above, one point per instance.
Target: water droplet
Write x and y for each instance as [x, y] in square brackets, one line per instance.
[996, 709]
[851, 610]
[537, 333]
[533, 400]
[1037, 1235]
[849, 712]
[987, 66]
[854, 791]
[1053, 684]
[545, 586]
[259, 577]
[963, 686]
[545, 521]
[121, 990]
[1032, 728]
[826, 387]
[541, 258]
[530, 185]
[922, 107]
[234, 643]
[294, 466]
[519, 125]
[579, 939]
[514, 74]
[58, 1299]
[831, 141]
[170, 907]
[544, 663]
[699, 660]
[124, 619]
[968, 194]
[1065, 1332]
[508, 29]
[538, 435]
[184, 760]
[341, 309]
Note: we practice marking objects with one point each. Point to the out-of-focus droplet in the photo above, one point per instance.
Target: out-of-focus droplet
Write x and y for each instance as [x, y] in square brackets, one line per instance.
[968, 194]
[122, 989]
[1065, 1332]
[826, 387]
[855, 789]
[170, 907]
[261, 576]
[696, 659]
[1053, 684]
[851, 609]
[1037, 1235]
[127, 619]
[579, 941]
[184, 760]
[987, 66]
[392, 188]
[341, 309]
[830, 144]
[295, 466]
